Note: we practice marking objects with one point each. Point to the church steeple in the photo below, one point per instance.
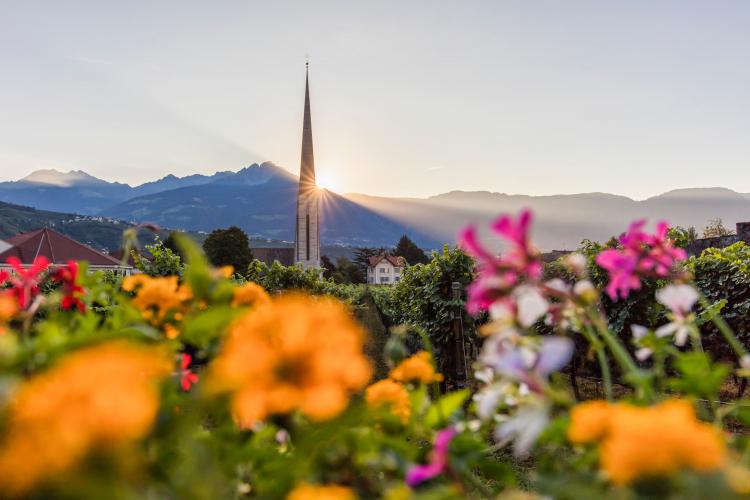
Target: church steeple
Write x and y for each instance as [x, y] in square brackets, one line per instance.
[307, 232]
[307, 165]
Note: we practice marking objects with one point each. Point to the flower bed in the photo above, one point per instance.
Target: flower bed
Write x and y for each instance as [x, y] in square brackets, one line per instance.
[205, 386]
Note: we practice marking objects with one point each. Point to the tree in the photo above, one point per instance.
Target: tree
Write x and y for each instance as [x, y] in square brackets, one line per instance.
[347, 272]
[681, 236]
[229, 247]
[171, 243]
[362, 257]
[715, 228]
[329, 268]
[409, 250]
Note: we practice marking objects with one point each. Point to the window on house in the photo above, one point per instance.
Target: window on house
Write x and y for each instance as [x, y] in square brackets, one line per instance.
[383, 269]
[384, 279]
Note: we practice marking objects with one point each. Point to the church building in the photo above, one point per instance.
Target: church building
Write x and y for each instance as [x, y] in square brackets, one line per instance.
[307, 232]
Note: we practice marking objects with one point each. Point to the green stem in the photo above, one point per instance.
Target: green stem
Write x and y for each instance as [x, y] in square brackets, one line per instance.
[618, 350]
[695, 338]
[601, 356]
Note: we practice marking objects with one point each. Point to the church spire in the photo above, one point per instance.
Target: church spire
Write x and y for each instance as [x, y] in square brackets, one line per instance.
[307, 231]
[307, 165]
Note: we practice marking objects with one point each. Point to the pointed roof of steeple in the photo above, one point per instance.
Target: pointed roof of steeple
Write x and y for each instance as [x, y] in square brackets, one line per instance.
[307, 165]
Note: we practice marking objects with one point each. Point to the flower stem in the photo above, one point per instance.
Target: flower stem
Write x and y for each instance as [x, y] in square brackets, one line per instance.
[601, 356]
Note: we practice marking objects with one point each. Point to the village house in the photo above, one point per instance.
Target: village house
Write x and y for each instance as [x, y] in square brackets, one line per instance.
[385, 269]
[58, 249]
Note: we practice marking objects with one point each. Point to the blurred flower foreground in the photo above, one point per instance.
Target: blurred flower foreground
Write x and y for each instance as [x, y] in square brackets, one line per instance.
[220, 383]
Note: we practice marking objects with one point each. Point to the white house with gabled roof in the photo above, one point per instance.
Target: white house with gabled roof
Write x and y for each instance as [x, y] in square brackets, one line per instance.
[385, 269]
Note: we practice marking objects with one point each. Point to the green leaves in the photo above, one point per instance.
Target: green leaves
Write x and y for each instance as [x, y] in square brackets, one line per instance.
[441, 411]
[699, 377]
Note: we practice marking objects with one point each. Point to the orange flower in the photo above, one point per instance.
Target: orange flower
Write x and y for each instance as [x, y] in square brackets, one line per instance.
[589, 421]
[417, 368]
[8, 309]
[98, 397]
[250, 294]
[157, 297]
[392, 394]
[298, 352]
[306, 491]
[654, 441]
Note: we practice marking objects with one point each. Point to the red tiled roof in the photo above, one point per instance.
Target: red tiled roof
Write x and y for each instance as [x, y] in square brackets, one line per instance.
[58, 248]
[396, 261]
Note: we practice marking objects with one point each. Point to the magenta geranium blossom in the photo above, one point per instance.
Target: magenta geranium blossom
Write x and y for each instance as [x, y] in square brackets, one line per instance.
[498, 275]
[438, 459]
[642, 255]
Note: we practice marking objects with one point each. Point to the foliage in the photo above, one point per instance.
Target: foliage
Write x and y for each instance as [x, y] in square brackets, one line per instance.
[409, 250]
[715, 228]
[362, 257]
[207, 386]
[162, 260]
[723, 274]
[681, 236]
[347, 272]
[328, 267]
[424, 298]
[229, 247]
[172, 242]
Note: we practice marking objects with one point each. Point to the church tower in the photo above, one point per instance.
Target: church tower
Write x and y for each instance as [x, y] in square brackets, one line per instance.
[307, 234]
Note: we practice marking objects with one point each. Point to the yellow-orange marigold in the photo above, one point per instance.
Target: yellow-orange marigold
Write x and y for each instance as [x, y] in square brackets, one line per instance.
[645, 442]
[417, 368]
[306, 491]
[156, 296]
[101, 396]
[8, 309]
[298, 352]
[250, 294]
[391, 394]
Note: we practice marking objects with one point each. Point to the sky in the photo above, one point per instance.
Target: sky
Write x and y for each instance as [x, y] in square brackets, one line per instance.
[409, 98]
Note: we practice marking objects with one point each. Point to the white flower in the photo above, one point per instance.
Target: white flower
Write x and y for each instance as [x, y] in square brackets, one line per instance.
[576, 262]
[679, 329]
[680, 299]
[638, 333]
[524, 428]
[531, 305]
[558, 285]
[487, 400]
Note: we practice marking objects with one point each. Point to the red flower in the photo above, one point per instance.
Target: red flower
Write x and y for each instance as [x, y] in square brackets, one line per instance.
[187, 377]
[24, 282]
[72, 292]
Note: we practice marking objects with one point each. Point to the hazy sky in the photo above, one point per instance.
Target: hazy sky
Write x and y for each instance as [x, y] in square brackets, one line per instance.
[408, 97]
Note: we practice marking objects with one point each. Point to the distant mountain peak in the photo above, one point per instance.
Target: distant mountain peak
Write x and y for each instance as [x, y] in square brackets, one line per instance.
[63, 179]
[699, 193]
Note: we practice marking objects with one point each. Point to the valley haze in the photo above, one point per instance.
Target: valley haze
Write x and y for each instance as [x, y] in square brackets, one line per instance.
[261, 200]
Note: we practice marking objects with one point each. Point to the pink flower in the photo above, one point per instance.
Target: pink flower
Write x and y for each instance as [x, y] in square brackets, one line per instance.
[24, 282]
[499, 275]
[68, 276]
[187, 377]
[438, 459]
[642, 255]
[621, 267]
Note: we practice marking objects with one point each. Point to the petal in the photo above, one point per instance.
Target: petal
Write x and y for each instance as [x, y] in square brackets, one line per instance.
[554, 353]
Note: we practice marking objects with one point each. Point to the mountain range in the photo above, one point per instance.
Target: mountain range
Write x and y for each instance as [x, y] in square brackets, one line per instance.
[261, 199]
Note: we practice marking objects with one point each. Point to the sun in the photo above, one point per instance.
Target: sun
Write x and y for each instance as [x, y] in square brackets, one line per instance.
[327, 180]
